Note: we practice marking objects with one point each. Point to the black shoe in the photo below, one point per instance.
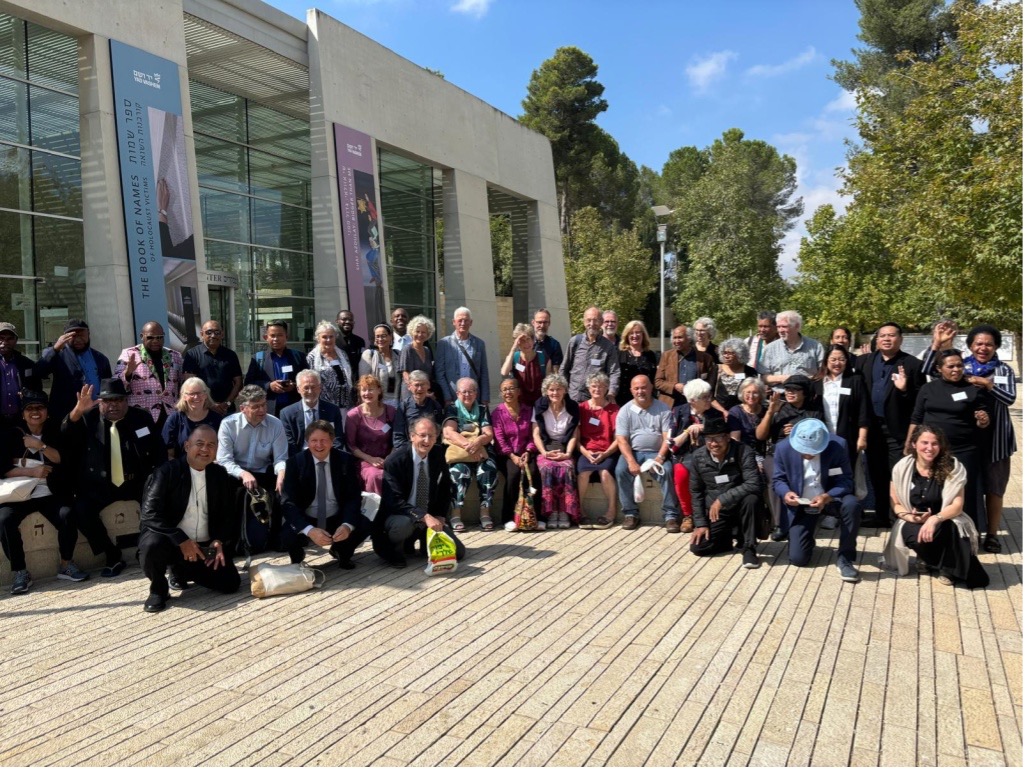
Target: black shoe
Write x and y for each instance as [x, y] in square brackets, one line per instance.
[778, 535]
[114, 570]
[155, 603]
[749, 560]
[346, 564]
[410, 547]
[394, 560]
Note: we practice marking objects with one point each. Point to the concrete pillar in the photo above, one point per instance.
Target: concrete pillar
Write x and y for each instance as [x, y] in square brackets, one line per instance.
[547, 288]
[469, 276]
[108, 289]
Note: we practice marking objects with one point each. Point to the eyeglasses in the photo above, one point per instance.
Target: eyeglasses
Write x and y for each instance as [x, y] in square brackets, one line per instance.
[212, 332]
[153, 336]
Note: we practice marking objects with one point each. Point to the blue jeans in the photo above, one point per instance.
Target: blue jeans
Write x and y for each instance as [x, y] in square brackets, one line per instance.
[802, 531]
[625, 486]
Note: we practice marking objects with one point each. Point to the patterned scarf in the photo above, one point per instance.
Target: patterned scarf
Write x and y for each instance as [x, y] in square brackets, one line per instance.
[976, 369]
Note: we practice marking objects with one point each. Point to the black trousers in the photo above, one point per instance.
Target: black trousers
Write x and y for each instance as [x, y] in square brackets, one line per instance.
[267, 480]
[882, 453]
[400, 531]
[743, 516]
[294, 542]
[158, 552]
[59, 514]
[87, 515]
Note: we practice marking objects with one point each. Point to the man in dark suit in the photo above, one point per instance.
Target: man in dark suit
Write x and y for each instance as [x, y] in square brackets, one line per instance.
[188, 522]
[812, 476]
[74, 363]
[321, 499]
[275, 368]
[301, 415]
[410, 503]
[349, 343]
[118, 447]
[16, 374]
[893, 378]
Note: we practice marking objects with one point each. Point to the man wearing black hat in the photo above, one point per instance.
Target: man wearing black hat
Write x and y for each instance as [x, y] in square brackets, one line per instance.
[780, 417]
[36, 448]
[74, 363]
[16, 373]
[726, 492]
[119, 447]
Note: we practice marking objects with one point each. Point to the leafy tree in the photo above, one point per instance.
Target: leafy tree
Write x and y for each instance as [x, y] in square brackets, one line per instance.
[608, 267]
[563, 100]
[502, 254]
[942, 179]
[730, 220]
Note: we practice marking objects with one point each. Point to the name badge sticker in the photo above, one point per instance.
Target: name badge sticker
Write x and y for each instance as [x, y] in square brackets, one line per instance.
[844, 391]
[521, 368]
[596, 362]
[594, 421]
[386, 428]
[834, 472]
[739, 377]
[142, 432]
[999, 379]
[287, 369]
[960, 396]
[723, 478]
[28, 373]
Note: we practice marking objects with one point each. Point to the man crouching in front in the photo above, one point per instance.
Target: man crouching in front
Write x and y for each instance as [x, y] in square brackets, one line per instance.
[187, 522]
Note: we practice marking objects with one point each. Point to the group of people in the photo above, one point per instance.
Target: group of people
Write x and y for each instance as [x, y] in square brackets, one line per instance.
[739, 436]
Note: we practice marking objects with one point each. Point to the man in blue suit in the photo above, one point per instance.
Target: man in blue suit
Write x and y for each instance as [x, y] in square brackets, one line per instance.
[74, 363]
[812, 475]
[296, 418]
[321, 499]
[461, 354]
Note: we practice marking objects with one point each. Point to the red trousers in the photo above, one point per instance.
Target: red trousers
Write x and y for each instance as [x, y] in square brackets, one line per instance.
[681, 484]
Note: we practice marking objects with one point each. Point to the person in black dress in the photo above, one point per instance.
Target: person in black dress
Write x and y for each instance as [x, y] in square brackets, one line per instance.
[636, 357]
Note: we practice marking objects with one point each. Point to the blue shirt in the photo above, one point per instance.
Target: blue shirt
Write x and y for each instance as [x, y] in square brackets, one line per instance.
[90, 373]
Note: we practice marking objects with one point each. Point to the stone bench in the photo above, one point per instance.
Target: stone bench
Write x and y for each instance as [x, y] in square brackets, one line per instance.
[41, 558]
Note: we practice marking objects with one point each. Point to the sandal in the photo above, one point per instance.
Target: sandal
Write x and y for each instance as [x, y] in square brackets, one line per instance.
[486, 523]
[991, 544]
[603, 523]
[457, 524]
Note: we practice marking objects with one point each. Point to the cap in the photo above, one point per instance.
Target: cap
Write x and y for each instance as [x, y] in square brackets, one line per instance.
[8, 327]
[809, 436]
[112, 387]
[74, 324]
[798, 382]
[30, 397]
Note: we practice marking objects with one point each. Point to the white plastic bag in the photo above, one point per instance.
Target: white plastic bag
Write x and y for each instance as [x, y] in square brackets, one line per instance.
[639, 489]
[370, 504]
[281, 579]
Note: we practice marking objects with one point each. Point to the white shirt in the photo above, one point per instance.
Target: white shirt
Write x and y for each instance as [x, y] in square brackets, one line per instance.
[330, 503]
[831, 402]
[812, 478]
[195, 521]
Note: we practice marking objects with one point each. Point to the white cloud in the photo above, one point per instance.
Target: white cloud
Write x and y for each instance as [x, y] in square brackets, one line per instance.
[772, 70]
[475, 8]
[845, 102]
[704, 71]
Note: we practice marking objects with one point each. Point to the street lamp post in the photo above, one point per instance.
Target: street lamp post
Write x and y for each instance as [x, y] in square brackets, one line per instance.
[662, 211]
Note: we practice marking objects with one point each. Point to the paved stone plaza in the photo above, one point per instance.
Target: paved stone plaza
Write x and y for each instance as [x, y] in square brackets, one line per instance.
[557, 648]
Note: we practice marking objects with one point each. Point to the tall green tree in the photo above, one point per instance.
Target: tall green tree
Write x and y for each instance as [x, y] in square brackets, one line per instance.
[730, 220]
[563, 99]
[942, 179]
[606, 266]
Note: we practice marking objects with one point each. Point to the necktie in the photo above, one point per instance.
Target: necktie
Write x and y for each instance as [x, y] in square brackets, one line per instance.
[310, 417]
[422, 486]
[117, 470]
[322, 496]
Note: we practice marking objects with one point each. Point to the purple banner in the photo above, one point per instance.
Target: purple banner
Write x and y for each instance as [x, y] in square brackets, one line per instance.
[361, 233]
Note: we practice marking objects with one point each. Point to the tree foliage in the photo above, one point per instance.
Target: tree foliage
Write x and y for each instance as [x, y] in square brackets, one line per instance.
[501, 231]
[606, 266]
[941, 181]
[733, 203]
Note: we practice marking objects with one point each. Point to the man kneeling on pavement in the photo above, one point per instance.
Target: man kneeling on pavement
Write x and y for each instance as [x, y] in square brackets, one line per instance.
[320, 499]
[188, 522]
[416, 496]
[813, 477]
[726, 494]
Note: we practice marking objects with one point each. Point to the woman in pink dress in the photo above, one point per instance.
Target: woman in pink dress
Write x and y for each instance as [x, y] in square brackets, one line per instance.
[369, 432]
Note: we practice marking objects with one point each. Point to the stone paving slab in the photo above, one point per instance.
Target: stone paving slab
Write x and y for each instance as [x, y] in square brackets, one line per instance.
[563, 648]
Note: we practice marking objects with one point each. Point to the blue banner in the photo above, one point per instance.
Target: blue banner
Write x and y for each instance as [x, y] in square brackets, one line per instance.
[156, 192]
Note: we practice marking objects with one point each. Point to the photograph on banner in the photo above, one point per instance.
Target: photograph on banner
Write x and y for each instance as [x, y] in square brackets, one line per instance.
[167, 137]
[183, 313]
[370, 247]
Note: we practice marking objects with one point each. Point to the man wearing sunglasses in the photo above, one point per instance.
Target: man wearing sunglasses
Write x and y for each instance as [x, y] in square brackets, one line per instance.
[152, 373]
[217, 365]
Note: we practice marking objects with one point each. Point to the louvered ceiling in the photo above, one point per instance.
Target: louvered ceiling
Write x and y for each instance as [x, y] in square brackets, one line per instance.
[231, 63]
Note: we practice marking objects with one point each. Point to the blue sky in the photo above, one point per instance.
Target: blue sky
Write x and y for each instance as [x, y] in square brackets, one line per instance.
[676, 73]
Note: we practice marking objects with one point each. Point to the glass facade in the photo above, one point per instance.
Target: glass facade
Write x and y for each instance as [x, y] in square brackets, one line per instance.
[408, 194]
[253, 166]
[42, 275]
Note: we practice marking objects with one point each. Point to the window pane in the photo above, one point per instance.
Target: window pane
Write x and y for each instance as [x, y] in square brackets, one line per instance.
[217, 113]
[54, 121]
[52, 59]
[279, 179]
[410, 250]
[12, 47]
[219, 164]
[56, 185]
[406, 211]
[14, 122]
[283, 227]
[279, 134]
[411, 287]
[15, 190]
[225, 216]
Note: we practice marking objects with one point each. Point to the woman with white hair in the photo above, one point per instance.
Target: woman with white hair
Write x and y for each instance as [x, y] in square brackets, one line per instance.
[417, 356]
[687, 423]
[556, 434]
[733, 372]
[329, 361]
[525, 364]
[195, 407]
[705, 333]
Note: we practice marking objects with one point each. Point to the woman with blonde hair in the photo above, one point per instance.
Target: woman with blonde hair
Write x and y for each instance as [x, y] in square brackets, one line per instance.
[525, 364]
[369, 432]
[195, 407]
[636, 357]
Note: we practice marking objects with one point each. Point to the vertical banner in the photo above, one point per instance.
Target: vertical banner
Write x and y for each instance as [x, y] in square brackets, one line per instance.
[361, 238]
[156, 193]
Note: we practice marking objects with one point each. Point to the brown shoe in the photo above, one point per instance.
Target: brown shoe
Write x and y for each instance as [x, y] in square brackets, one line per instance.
[630, 522]
[687, 525]
[672, 526]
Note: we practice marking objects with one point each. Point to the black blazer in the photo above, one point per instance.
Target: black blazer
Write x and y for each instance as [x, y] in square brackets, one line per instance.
[897, 405]
[293, 417]
[68, 377]
[853, 409]
[398, 483]
[258, 374]
[140, 454]
[299, 490]
[167, 494]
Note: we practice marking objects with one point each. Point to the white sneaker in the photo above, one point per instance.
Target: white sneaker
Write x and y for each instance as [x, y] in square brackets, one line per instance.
[563, 520]
[510, 526]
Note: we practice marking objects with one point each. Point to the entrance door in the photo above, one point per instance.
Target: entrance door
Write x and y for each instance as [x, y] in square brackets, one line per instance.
[221, 311]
